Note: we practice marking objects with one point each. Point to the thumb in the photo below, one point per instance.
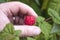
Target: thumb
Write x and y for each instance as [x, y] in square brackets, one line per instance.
[3, 20]
[28, 30]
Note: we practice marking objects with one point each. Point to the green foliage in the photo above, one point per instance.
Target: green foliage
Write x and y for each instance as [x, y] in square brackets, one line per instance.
[54, 12]
[53, 37]
[2, 1]
[55, 16]
[9, 33]
[29, 38]
[55, 5]
[40, 37]
[44, 4]
[16, 38]
[56, 28]
[17, 33]
[45, 27]
[38, 3]
[9, 28]
[45, 9]
[6, 36]
[34, 6]
[40, 19]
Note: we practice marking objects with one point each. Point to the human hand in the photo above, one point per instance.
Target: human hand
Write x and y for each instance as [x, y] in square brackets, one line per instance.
[14, 12]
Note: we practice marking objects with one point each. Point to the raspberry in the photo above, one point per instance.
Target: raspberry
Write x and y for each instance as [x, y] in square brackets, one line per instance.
[29, 20]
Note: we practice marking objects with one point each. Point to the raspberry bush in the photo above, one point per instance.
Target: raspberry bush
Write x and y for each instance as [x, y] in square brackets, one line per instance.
[48, 20]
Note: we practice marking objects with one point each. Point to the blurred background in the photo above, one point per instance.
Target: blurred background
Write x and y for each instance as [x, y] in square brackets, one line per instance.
[40, 6]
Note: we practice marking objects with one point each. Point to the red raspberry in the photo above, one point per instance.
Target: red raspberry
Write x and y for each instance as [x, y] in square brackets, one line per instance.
[29, 20]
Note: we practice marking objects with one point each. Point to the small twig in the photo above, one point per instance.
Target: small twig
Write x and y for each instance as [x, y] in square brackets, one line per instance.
[48, 19]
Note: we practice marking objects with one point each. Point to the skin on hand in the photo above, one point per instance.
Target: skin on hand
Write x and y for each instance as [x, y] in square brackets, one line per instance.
[13, 12]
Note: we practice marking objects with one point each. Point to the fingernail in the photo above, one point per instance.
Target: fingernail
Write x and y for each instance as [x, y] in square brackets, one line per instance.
[37, 31]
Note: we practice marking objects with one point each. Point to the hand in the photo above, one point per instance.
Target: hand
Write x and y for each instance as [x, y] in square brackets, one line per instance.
[14, 12]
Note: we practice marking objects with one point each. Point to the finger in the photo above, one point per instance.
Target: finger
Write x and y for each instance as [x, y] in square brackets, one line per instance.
[16, 21]
[15, 7]
[3, 20]
[28, 30]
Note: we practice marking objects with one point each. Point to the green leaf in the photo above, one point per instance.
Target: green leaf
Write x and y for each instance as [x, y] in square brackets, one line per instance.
[40, 37]
[16, 38]
[40, 19]
[9, 33]
[53, 37]
[17, 33]
[6, 36]
[29, 38]
[55, 5]
[45, 28]
[55, 16]
[9, 28]
[56, 28]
